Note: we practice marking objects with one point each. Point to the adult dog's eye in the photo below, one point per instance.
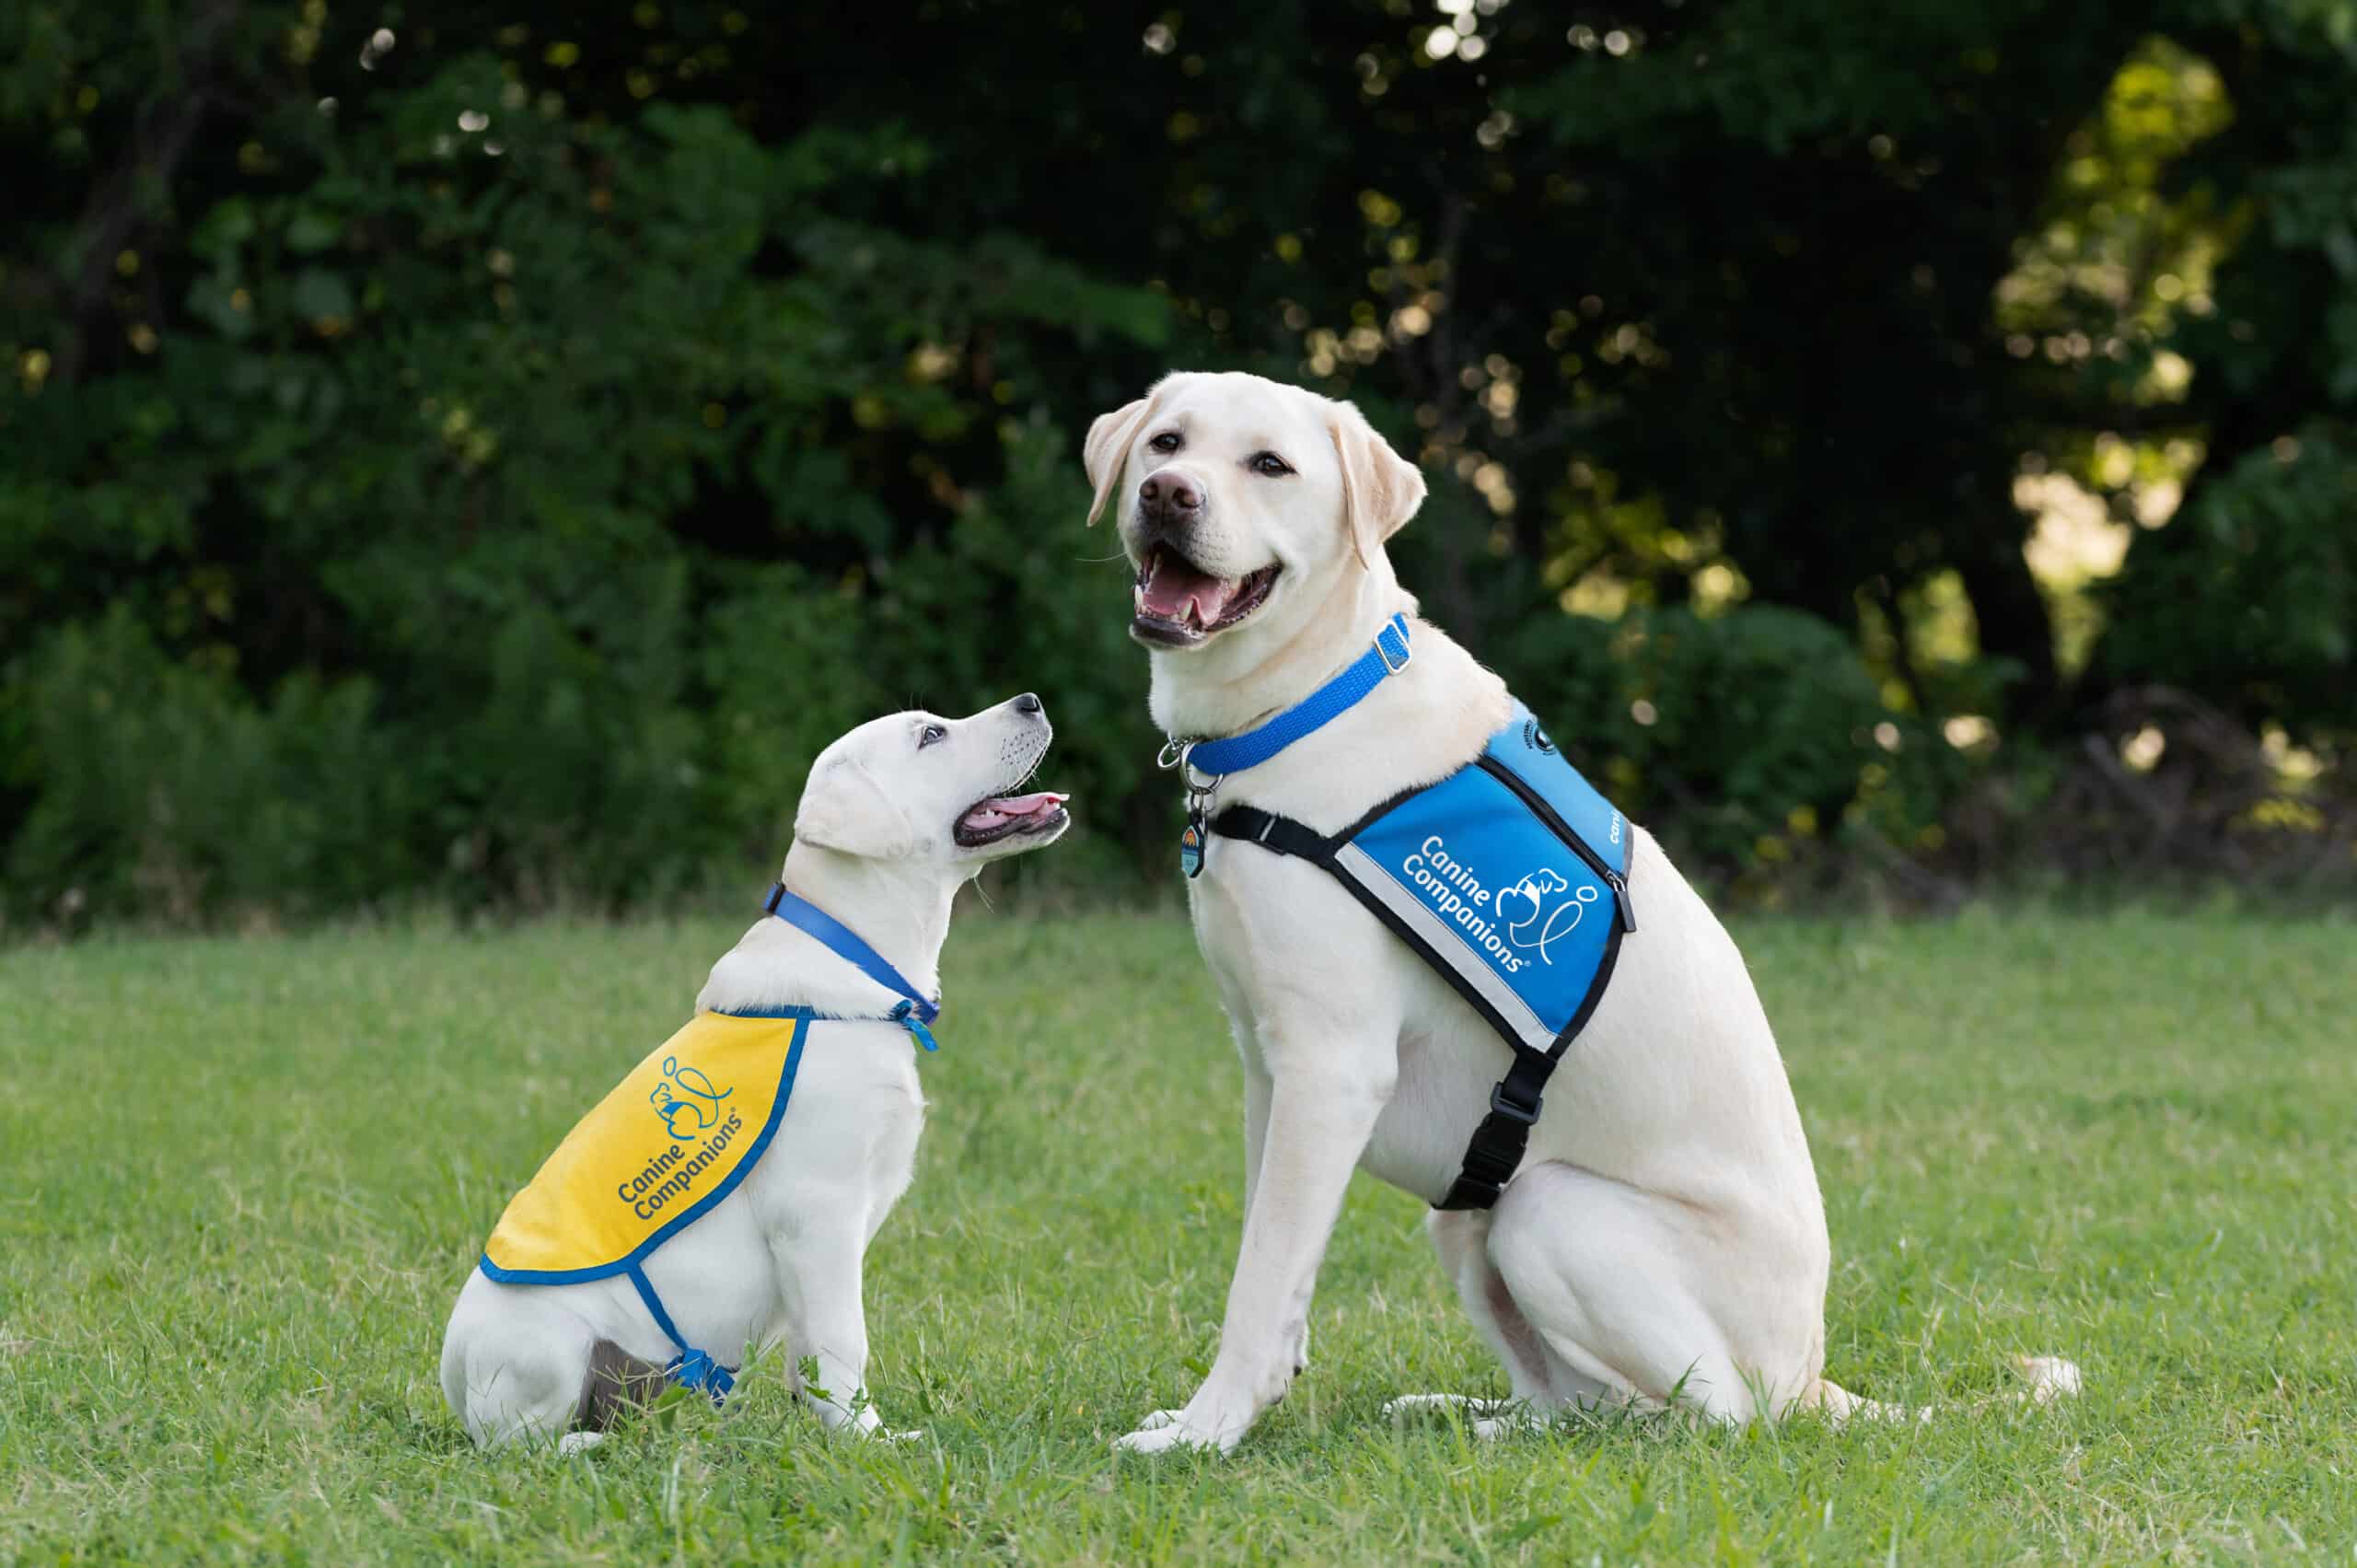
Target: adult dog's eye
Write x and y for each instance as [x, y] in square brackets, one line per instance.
[929, 733]
[1168, 441]
[1269, 464]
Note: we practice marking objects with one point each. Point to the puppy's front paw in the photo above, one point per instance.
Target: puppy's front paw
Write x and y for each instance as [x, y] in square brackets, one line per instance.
[1165, 1430]
[2050, 1377]
[869, 1427]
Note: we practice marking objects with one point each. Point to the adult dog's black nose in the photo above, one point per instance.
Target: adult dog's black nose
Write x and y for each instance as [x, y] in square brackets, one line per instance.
[1169, 496]
[1028, 703]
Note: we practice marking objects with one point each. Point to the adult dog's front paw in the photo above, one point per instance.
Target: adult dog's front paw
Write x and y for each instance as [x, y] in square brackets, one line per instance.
[1165, 1430]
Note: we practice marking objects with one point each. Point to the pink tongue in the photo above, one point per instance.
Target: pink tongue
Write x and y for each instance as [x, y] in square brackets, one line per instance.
[1175, 584]
[1024, 805]
[1006, 807]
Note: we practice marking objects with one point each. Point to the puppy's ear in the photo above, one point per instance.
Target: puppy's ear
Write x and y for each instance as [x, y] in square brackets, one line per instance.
[845, 809]
[1381, 489]
[1107, 451]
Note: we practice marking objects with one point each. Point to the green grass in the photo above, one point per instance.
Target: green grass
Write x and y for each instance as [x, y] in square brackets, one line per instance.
[243, 1179]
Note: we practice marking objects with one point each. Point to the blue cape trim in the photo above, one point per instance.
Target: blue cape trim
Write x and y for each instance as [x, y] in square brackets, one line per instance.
[806, 916]
[903, 1014]
[1386, 657]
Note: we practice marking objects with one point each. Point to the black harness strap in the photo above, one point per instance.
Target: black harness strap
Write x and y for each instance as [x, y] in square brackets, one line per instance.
[1280, 833]
[1496, 1152]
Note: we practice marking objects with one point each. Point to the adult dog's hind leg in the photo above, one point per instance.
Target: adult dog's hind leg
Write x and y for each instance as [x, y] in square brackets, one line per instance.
[1645, 1296]
[1541, 1381]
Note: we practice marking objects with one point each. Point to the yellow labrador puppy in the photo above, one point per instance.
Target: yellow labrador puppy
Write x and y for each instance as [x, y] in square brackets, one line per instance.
[1653, 1233]
[722, 1199]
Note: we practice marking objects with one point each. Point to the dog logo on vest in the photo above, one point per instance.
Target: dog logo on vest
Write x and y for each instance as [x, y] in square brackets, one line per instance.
[687, 1093]
[1536, 738]
[1549, 914]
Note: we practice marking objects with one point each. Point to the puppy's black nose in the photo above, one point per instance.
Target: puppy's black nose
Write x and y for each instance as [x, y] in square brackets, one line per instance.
[1168, 495]
[1028, 703]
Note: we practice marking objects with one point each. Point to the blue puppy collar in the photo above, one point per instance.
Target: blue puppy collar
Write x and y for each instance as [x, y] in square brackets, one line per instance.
[914, 1011]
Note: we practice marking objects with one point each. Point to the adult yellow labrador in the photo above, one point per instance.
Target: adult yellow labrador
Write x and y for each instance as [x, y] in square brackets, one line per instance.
[1662, 1239]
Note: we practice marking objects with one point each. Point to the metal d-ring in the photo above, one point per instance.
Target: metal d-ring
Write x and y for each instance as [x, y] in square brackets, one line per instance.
[1174, 756]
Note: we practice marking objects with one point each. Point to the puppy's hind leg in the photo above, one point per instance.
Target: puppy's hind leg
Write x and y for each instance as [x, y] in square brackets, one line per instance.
[515, 1366]
[614, 1381]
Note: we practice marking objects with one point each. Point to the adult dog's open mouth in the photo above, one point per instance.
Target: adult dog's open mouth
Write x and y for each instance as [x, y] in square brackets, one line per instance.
[1179, 605]
[1005, 816]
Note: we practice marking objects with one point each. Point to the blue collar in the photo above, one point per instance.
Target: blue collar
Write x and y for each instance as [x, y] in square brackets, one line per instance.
[1386, 657]
[914, 1011]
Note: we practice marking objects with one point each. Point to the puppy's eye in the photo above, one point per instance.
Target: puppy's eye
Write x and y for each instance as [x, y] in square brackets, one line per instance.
[929, 733]
[1268, 464]
[1168, 441]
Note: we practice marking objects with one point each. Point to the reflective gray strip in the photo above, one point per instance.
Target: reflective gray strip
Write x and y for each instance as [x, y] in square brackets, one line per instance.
[1448, 941]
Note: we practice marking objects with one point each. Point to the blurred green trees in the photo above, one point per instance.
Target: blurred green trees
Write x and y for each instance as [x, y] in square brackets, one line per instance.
[489, 452]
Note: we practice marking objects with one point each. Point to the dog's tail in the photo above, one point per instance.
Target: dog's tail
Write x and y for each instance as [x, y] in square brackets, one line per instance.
[2045, 1379]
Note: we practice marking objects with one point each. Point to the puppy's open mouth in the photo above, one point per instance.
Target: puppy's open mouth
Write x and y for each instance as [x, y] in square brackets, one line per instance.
[1179, 605]
[1005, 816]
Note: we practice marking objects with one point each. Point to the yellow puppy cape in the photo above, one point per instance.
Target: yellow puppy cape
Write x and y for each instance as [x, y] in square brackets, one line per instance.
[676, 1137]
[673, 1138]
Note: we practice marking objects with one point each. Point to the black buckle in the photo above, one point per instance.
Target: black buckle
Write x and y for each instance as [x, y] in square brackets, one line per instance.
[1501, 1105]
[1471, 1192]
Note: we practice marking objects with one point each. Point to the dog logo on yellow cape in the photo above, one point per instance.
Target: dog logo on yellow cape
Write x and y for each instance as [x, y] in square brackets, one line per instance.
[666, 1144]
[702, 1100]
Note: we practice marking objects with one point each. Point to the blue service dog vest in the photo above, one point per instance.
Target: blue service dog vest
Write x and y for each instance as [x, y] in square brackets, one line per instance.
[1510, 878]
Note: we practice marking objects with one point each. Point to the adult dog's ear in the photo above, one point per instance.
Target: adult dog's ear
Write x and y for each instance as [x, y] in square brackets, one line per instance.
[1381, 489]
[843, 808]
[1107, 451]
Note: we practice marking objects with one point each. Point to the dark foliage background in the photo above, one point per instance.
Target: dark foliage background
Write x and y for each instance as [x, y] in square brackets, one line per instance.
[484, 452]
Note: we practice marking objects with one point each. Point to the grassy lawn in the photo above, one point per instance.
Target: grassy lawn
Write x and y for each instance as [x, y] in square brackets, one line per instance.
[243, 1179]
